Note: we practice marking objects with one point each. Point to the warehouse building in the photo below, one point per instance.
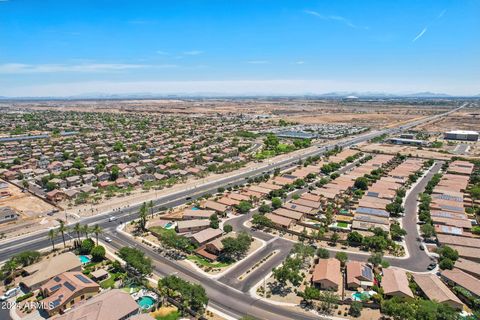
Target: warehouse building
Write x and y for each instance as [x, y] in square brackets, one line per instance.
[461, 135]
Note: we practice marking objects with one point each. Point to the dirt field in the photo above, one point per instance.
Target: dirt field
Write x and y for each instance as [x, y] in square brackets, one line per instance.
[465, 119]
[374, 113]
[24, 203]
[414, 151]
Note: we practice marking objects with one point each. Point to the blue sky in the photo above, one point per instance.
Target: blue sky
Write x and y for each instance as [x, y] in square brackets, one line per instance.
[267, 46]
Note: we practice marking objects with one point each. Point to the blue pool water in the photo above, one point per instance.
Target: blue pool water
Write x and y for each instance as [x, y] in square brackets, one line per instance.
[84, 259]
[357, 296]
[146, 302]
[169, 225]
[195, 208]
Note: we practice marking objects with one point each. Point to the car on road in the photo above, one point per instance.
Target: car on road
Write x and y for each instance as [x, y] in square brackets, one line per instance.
[108, 239]
[110, 219]
[432, 266]
[10, 293]
[421, 247]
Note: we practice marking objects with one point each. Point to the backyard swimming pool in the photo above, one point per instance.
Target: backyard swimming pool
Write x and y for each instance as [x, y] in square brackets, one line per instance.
[170, 225]
[146, 302]
[84, 259]
[195, 208]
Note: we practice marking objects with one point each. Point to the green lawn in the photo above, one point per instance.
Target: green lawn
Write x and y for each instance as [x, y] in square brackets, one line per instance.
[171, 316]
[207, 263]
[108, 283]
[342, 224]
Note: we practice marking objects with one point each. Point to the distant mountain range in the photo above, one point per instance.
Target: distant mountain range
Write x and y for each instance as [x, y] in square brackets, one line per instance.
[149, 95]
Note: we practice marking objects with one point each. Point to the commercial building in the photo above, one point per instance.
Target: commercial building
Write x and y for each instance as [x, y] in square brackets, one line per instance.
[463, 135]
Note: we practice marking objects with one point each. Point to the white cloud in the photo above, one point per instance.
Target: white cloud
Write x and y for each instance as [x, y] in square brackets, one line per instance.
[257, 62]
[420, 34]
[20, 68]
[160, 52]
[336, 18]
[300, 62]
[192, 52]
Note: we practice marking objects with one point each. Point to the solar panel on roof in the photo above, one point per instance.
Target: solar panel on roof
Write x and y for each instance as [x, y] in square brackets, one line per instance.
[56, 303]
[82, 278]
[69, 286]
[55, 287]
[57, 279]
[367, 273]
[372, 194]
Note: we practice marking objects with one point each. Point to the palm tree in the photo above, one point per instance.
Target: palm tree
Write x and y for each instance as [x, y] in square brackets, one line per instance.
[143, 216]
[52, 234]
[62, 229]
[9, 268]
[97, 230]
[150, 205]
[78, 229]
[86, 230]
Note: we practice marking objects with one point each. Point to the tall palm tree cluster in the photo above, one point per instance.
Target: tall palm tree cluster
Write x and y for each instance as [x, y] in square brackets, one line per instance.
[78, 229]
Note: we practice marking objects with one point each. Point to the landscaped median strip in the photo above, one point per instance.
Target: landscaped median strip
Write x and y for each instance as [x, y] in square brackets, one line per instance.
[257, 265]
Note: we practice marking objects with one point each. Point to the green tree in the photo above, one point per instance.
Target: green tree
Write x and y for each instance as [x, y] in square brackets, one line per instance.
[397, 232]
[62, 229]
[427, 230]
[355, 309]
[323, 253]
[276, 202]
[289, 271]
[52, 234]
[259, 220]
[136, 260]
[87, 246]
[448, 252]
[97, 230]
[342, 257]
[376, 258]
[335, 237]
[361, 183]
[27, 258]
[310, 293]
[271, 141]
[446, 263]
[114, 173]
[77, 228]
[227, 228]
[235, 248]
[264, 208]
[98, 253]
[354, 238]
[214, 222]
[243, 207]
[142, 214]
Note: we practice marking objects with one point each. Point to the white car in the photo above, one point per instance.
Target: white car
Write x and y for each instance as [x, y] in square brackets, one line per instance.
[10, 293]
[112, 219]
[108, 239]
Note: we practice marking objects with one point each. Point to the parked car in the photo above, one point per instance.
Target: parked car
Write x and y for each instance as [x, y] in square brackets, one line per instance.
[432, 266]
[108, 239]
[10, 293]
